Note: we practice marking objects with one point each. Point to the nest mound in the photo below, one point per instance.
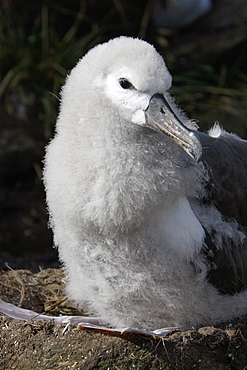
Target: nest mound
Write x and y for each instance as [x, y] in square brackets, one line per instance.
[44, 345]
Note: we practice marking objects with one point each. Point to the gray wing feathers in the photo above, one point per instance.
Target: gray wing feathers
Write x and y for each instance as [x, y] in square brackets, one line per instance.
[226, 160]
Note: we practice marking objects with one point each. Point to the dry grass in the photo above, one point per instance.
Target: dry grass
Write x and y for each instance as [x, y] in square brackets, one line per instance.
[42, 292]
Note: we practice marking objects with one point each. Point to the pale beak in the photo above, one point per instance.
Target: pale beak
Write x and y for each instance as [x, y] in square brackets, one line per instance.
[161, 118]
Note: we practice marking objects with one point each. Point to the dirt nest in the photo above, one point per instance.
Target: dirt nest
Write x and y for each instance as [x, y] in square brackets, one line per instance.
[44, 345]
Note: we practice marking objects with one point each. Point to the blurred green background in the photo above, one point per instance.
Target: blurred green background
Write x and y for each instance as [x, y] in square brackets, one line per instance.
[41, 41]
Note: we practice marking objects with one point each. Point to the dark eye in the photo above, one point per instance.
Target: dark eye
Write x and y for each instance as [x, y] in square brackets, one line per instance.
[125, 84]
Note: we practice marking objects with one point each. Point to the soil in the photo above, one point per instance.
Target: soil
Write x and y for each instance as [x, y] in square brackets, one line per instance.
[44, 345]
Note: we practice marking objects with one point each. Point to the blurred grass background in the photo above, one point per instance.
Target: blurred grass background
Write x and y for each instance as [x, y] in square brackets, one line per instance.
[41, 41]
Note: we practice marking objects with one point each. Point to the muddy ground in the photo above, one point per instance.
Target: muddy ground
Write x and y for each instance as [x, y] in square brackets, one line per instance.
[39, 345]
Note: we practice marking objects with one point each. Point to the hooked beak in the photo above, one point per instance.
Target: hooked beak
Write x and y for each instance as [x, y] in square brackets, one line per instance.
[161, 118]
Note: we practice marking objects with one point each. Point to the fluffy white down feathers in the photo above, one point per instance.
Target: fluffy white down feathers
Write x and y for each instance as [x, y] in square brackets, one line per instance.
[123, 200]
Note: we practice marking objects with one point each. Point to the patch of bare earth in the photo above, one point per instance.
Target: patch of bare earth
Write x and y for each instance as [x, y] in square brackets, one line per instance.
[44, 345]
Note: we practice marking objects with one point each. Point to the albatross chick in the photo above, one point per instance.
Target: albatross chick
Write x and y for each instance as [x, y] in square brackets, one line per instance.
[148, 213]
